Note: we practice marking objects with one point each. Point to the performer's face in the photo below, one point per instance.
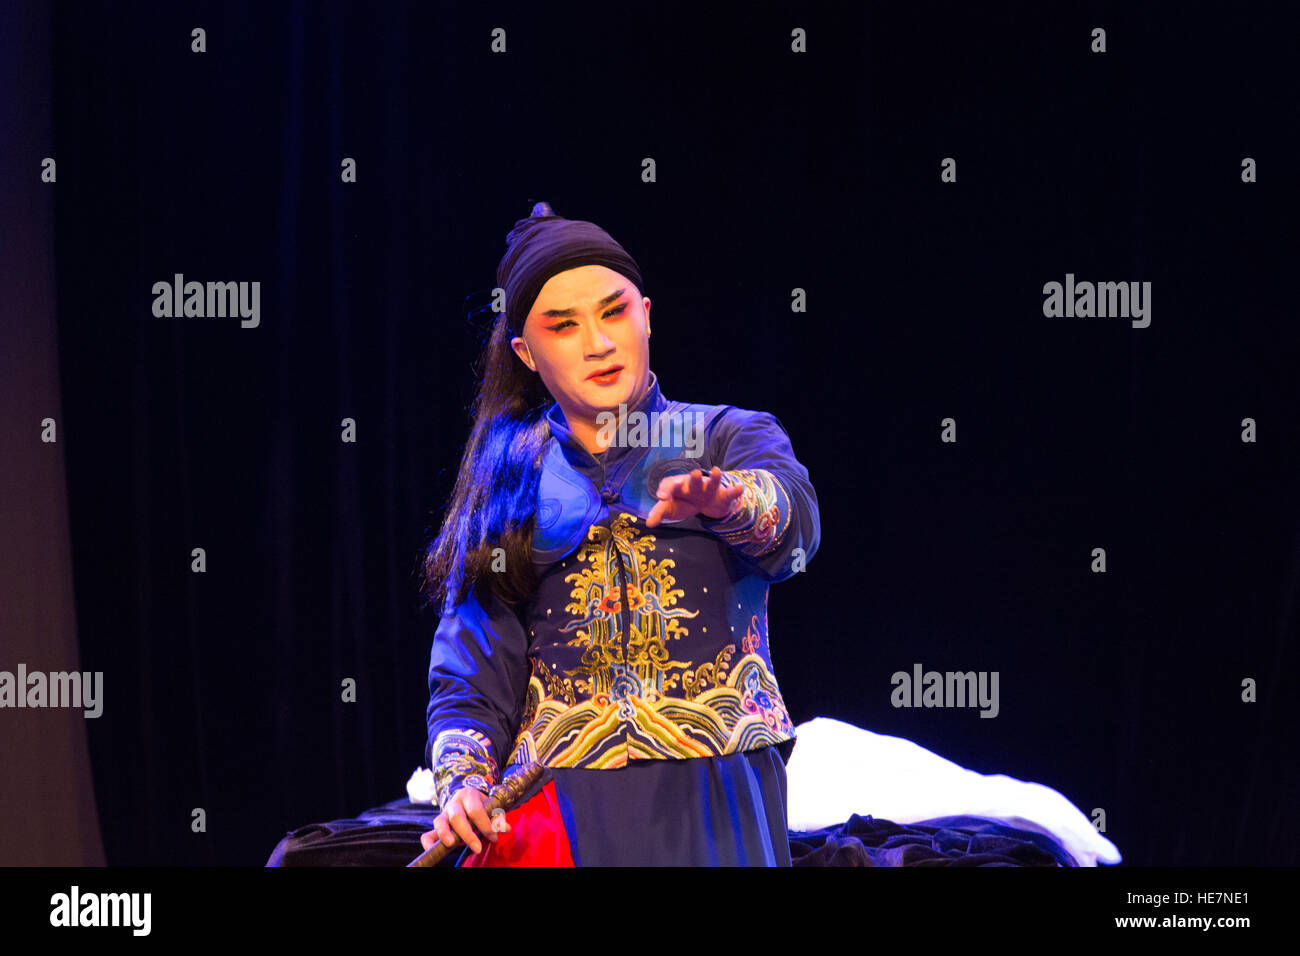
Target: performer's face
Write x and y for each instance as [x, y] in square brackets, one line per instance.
[586, 320]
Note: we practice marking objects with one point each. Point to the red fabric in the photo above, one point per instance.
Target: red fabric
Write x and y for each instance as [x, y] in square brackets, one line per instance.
[536, 838]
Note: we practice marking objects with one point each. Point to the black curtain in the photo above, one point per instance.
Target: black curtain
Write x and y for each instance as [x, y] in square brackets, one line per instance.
[774, 170]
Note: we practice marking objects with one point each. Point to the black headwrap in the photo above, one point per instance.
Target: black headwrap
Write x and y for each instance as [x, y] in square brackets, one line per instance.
[544, 244]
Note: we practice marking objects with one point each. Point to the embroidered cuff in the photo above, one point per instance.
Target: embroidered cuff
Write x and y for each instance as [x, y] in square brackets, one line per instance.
[462, 758]
[758, 518]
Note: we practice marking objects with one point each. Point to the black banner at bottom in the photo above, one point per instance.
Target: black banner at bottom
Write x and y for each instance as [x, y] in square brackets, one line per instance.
[331, 906]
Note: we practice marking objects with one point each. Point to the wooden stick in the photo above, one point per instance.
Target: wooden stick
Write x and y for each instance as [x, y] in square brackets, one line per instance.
[504, 796]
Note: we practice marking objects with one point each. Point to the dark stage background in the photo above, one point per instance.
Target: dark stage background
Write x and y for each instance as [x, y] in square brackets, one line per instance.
[774, 170]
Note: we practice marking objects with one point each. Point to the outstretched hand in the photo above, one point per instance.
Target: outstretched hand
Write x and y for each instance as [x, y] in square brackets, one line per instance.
[682, 496]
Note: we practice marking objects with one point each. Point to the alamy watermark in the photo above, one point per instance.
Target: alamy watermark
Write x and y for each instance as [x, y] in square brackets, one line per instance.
[1101, 300]
[638, 429]
[57, 689]
[946, 689]
[76, 908]
[181, 299]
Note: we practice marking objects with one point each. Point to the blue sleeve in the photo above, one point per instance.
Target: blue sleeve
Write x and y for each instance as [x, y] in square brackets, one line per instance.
[775, 524]
[478, 680]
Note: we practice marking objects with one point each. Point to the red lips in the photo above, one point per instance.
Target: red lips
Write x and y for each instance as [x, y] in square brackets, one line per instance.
[599, 373]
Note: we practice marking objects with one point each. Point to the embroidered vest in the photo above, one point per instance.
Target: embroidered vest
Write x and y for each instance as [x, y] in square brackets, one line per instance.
[645, 643]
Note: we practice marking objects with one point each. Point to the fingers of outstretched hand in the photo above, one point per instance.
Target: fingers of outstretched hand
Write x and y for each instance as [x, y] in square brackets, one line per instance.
[696, 489]
[689, 486]
[710, 485]
[669, 486]
[669, 489]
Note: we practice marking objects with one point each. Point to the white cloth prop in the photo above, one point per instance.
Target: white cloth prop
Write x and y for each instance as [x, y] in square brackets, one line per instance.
[837, 770]
[419, 789]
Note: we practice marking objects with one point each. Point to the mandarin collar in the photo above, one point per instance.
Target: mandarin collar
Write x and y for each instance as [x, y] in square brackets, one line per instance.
[576, 452]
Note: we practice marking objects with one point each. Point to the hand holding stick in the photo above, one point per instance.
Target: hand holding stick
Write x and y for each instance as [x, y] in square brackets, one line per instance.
[504, 796]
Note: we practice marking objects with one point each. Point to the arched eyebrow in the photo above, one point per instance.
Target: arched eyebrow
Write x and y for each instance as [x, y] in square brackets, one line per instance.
[569, 312]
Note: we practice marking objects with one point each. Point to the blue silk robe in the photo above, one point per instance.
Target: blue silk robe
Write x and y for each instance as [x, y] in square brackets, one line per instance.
[641, 673]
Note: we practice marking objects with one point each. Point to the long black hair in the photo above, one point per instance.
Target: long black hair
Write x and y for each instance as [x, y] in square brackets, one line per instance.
[494, 502]
[487, 532]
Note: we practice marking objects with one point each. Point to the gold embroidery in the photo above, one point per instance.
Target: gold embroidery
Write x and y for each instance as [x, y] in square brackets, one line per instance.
[617, 704]
[614, 662]
[752, 526]
[708, 674]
